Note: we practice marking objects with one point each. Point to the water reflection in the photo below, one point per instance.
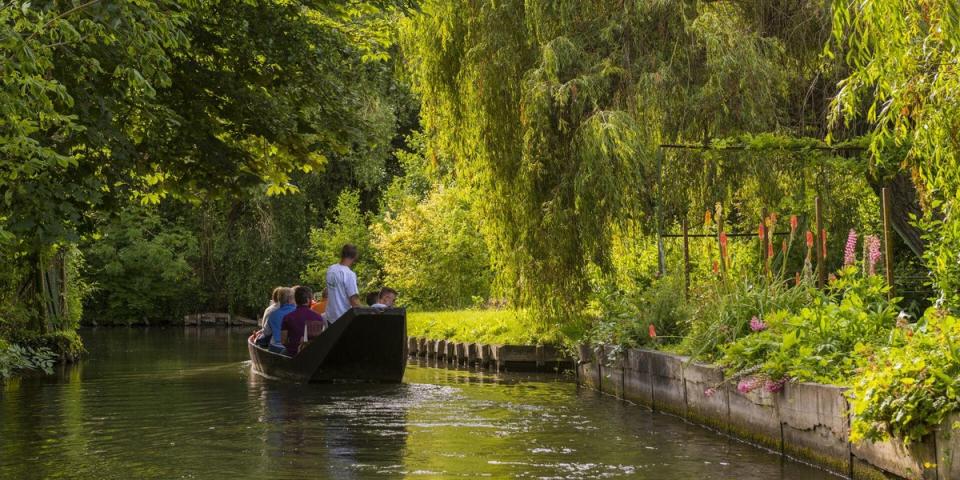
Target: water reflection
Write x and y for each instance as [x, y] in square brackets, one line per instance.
[169, 403]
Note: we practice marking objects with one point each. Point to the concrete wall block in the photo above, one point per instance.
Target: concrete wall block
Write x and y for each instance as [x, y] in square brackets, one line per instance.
[588, 369]
[611, 370]
[441, 348]
[637, 386]
[431, 348]
[413, 345]
[814, 422]
[948, 448]
[754, 417]
[707, 400]
[666, 380]
[875, 460]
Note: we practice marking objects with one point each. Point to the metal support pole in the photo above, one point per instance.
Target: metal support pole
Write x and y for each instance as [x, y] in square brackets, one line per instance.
[661, 255]
[821, 250]
[887, 243]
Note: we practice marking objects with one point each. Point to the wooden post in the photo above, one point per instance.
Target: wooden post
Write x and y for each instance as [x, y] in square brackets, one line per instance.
[887, 243]
[821, 250]
[686, 258]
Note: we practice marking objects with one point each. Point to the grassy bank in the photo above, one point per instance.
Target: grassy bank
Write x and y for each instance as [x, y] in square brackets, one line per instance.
[484, 326]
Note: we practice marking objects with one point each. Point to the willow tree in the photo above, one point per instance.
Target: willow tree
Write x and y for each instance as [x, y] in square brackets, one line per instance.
[554, 110]
[904, 81]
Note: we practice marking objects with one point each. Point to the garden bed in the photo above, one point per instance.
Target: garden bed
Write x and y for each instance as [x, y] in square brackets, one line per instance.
[806, 421]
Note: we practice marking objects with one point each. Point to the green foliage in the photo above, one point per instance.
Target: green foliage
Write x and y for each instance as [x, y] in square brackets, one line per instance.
[347, 225]
[624, 318]
[818, 341]
[502, 327]
[14, 358]
[553, 111]
[902, 58]
[141, 270]
[722, 313]
[908, 388]
[433, 253]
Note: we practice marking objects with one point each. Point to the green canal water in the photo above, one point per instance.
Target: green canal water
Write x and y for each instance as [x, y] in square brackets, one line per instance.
[176, 404]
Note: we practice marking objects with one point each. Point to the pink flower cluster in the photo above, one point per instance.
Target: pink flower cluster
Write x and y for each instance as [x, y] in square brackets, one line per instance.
[757, 325]
[774, 386]
[871, 246]
[850, 251]
[749, 384]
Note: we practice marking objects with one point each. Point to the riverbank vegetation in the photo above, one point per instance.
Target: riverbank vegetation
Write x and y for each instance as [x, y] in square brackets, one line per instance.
[498, 327]
[541, 157]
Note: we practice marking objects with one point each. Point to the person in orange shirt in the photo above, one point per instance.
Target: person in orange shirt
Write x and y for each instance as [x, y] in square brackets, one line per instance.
[321, 306]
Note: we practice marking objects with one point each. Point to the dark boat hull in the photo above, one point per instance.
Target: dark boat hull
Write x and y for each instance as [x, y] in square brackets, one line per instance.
[364, 345]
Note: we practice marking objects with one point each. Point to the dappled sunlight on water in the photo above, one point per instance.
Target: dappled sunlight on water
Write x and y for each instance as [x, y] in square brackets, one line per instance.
[183, 404]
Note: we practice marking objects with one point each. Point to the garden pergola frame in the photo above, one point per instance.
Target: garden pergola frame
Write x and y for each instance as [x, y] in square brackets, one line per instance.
[818, 213]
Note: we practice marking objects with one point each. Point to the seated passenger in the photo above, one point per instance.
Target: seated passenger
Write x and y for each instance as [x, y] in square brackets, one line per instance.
[372, 298]
[271, 327]
[320, 306]
[274, 304]
[297, 322]
[386, 298]
[263, 337]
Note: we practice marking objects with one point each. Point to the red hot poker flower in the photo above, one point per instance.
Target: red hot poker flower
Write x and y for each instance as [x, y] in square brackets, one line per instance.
[652, 331]
[783, 246]
[770, 249]
[793, 223]
[809, 239]
[761, 231]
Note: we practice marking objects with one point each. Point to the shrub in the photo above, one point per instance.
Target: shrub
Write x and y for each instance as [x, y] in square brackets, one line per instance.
[348, 225]
[723, 312]
[141, 269]
[433, 252]
[908, 388]
[817, 342]
[14, 358]
[625, 318]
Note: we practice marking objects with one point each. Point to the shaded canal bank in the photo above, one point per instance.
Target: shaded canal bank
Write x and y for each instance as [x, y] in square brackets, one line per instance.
[176, 403]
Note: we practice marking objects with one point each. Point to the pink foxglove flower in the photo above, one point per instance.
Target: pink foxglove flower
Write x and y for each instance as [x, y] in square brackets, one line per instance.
[757, 325]
[850, 251]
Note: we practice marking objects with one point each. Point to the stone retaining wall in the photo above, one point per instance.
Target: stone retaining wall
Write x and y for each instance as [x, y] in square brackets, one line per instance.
[805, 421]
[541, 358]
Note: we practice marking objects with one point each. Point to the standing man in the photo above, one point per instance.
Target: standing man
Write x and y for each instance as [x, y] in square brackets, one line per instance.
[342, 292]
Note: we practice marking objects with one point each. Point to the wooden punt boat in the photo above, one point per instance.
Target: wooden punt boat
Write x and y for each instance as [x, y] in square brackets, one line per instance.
[364, 345]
